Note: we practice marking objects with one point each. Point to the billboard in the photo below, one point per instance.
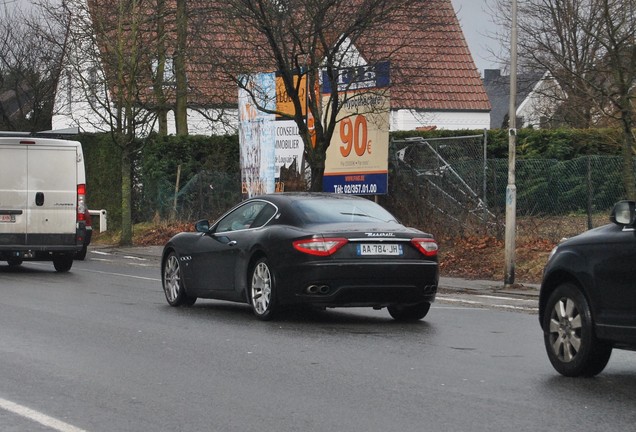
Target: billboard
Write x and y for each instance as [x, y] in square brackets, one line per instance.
[357, 157]
[257, 135]
[271, 147]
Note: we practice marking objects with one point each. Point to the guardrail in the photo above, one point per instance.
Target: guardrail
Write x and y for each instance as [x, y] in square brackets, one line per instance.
[103, 218]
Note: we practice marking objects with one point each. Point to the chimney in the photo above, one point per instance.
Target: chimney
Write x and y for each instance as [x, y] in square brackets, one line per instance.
[491, 74]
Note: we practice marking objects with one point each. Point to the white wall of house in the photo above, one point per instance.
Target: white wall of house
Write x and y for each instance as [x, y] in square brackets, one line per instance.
[208, 122]
[541, 104]
[404, 120]
[80, 115]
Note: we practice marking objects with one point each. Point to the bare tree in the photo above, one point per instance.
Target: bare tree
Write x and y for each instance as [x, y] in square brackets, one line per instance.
[304, 42]
[554, 36]
[589, 47]
[107, 86]
[30, 64]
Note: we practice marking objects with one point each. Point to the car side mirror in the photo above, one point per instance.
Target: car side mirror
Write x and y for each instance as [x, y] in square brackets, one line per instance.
[623, 213]
[202, 226]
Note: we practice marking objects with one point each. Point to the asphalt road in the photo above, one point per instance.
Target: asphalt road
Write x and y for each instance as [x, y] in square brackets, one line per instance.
[98, 349]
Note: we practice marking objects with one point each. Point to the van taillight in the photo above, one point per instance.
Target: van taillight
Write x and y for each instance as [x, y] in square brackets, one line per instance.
[81, 202]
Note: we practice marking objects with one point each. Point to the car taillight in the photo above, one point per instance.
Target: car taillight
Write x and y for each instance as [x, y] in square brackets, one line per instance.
[320, 246]
[427, 246]
[81, 202]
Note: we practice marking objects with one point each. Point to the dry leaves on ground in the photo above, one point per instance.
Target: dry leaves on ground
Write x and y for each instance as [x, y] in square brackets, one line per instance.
[484, 258]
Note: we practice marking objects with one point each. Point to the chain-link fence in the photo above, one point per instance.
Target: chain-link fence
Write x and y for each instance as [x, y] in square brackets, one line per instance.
[206, 195]
[438, 184]
[449, 186]
[442, 185]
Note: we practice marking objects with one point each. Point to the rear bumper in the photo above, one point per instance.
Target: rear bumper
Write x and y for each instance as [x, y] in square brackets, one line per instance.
[39, 247]
[352, 284]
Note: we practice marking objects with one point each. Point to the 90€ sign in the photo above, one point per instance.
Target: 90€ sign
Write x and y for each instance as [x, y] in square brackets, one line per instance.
[353, 135]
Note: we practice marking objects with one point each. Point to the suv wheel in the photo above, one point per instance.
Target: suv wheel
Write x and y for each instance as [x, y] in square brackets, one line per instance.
[568, 333]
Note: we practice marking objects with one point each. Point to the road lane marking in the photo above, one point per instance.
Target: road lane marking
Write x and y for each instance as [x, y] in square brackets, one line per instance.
[135, 258]
[493, 305]
[120, 274]
[38, 417]
[507, 298]
[449, 299]
[108, 273]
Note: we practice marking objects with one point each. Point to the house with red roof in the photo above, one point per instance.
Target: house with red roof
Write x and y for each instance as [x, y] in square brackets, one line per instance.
[434, 80]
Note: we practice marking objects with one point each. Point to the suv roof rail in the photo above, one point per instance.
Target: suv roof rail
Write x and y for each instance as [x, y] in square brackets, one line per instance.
[53, 132]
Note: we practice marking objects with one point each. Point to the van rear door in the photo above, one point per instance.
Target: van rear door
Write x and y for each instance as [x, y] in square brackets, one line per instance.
[51, 202]
[13, 195]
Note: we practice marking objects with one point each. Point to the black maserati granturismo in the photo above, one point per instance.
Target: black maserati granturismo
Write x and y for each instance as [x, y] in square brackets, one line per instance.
[287, 249]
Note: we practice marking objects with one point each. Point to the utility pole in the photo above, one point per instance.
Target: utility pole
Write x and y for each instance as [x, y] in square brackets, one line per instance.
[511, 189]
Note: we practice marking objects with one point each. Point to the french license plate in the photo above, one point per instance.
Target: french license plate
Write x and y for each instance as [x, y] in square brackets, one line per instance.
[379, 249]
[7, 218]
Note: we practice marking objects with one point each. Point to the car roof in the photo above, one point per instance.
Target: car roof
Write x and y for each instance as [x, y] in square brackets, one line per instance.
[288, 197]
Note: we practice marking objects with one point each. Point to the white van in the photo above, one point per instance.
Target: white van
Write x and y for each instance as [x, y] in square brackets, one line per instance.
[42, 200]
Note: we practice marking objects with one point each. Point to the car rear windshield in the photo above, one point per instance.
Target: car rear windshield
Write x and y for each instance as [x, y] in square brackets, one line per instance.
[319, 211]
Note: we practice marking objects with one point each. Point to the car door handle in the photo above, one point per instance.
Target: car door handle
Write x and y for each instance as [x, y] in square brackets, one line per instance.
[232, 243]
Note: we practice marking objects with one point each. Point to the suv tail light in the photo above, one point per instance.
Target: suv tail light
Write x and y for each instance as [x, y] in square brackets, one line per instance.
[320, 246]
[427, 246]
[81, 202]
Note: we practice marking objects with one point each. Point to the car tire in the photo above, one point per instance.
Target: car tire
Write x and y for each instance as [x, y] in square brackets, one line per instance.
[262, 290]
[14, 262]
[409, 312]
[568, 333]
[172, 281]
[62, 263]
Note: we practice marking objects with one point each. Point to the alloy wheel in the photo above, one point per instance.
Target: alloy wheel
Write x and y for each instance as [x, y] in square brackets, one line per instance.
[565, 330]
[261, 288]
[172, 278]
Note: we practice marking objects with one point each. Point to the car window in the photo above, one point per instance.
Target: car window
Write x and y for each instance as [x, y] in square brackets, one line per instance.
[316, 211]
[264, 216]
[244, 217]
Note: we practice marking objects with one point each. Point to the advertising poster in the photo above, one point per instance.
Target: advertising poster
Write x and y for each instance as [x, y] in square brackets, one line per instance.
[257, 136]
[271, 148]
[289, 144]
[357, 157]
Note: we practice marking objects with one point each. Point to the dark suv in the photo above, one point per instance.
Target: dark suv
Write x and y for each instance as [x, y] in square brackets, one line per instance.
[587, 305]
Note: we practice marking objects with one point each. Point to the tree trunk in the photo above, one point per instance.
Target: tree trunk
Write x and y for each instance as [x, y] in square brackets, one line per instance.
[181, 114]
[628, 153]
[162, 122]
[162, 111]
[126, 196]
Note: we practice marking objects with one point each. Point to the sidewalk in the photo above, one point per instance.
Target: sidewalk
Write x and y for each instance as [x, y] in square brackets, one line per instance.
[448, 283]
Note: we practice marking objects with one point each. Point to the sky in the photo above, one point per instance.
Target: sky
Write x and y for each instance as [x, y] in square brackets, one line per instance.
[476, 23]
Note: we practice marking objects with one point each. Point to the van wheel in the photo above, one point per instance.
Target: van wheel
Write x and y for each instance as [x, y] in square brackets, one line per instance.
[63, 263]
[81, 255]
[14, 262]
